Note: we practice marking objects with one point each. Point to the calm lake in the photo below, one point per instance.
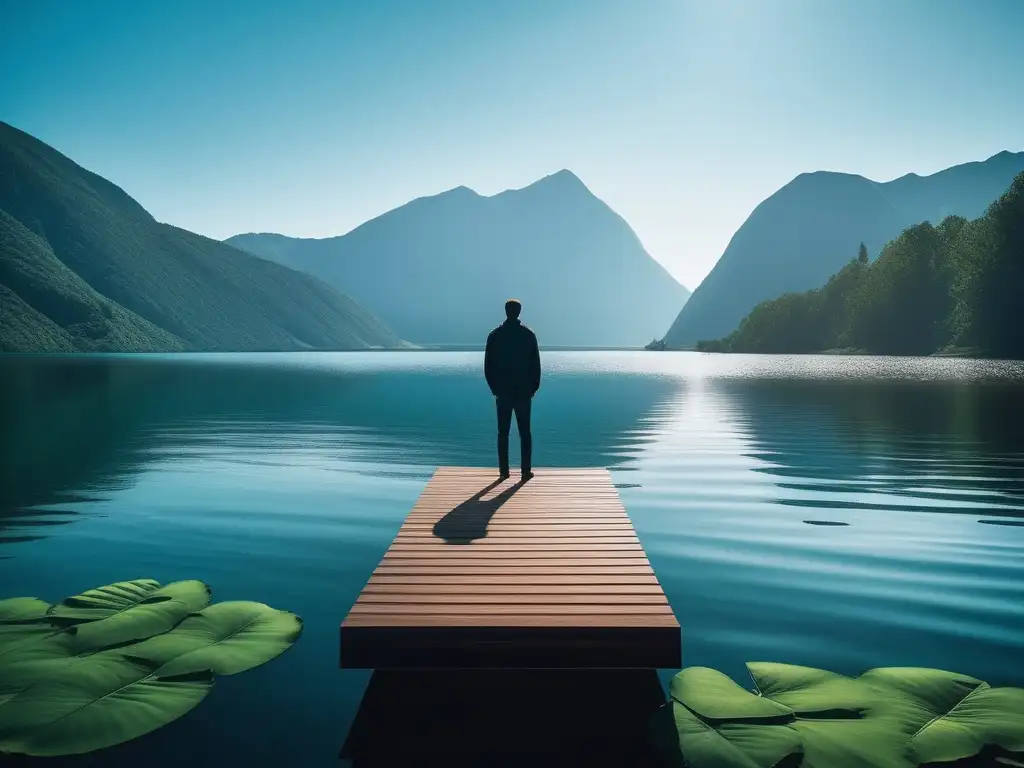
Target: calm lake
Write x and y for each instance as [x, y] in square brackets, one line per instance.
[841, 512]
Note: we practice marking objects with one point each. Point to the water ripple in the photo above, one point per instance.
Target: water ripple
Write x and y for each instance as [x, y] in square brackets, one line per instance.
[816, 510]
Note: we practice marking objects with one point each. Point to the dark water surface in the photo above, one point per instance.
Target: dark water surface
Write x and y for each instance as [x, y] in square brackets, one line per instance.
[831, 511]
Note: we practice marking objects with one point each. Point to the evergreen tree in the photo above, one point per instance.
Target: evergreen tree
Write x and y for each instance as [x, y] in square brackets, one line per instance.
[990, 277]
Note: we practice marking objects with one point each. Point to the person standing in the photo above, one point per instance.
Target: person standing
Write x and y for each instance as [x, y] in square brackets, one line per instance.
[512, 370]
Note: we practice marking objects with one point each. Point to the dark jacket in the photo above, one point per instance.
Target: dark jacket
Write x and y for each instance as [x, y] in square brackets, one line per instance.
[512, 361]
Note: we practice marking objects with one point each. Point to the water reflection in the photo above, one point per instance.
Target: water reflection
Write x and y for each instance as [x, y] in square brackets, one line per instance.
[814, 515]
[902, 446]
[819, 511]
[78, 428]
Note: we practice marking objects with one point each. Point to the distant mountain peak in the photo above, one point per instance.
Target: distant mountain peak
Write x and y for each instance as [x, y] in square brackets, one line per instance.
[563, 182]
[564, 177]
[461, 190]
[275, 235]
[837, 176]
[816, 185]
[1005, 155]
[454, 195]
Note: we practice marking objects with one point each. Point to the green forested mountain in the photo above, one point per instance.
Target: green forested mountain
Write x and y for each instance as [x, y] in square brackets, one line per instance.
[795, 239]
[83, 267]
[958, 284]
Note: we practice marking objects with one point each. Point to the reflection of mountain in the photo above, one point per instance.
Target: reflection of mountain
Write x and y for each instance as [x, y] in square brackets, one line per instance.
[911, 445]
[76, 426]
[67, 435]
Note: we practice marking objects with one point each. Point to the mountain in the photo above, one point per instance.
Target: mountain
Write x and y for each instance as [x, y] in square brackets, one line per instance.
[808, 230]
[952, 289]
[439, 269]
[83, 267]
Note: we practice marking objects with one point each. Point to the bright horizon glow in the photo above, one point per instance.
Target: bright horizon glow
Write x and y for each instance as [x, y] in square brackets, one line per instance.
[312, 118]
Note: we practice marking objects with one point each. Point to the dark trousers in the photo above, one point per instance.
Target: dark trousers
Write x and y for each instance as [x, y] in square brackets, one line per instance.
[521, 407]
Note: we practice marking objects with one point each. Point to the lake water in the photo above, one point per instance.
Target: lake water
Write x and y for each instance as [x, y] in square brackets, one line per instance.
[282, 478]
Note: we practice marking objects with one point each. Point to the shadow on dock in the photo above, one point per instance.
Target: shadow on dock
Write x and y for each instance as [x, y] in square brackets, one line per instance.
[468, 521]
[505, 718]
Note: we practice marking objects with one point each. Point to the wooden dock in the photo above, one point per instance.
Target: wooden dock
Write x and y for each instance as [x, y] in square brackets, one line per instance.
[547, 574]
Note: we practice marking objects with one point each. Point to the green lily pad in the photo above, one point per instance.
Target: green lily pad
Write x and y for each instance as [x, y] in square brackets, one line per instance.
[727, 744]
[988, 716]
[128, 611]
[95, 703]
[229, 638]
[112, 599]
[32, 662]
[841, 721]
[949, 716]
[886, 718]
[13, 642]
[812, 692]
[714, 696]
[130, 625]
[22, 620]
[119, 661]
[719, 723]
[871, 742]
[15, 610]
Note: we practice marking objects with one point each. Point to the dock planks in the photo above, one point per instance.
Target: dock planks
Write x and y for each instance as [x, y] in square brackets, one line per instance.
[547, 574]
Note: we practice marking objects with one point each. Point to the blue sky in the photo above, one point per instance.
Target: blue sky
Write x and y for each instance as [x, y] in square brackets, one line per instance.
[308, 117]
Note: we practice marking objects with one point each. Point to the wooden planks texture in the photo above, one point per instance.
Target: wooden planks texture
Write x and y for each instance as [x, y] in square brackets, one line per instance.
[543, 574]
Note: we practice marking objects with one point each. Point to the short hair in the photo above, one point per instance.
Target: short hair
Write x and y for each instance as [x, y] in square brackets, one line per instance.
[512, 308]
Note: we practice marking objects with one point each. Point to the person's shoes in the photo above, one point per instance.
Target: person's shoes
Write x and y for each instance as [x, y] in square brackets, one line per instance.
[527, 475]
[503, 474]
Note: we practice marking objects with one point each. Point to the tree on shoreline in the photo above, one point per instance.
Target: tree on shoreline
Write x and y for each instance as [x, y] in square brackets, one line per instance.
[956, 284]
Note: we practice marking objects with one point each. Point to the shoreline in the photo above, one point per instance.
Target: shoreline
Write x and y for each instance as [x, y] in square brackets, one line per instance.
[950, 352]
[436, 348]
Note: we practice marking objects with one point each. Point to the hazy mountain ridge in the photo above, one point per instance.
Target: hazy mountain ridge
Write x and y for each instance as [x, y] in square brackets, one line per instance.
[439, 268]
[796, 239]
[84, 267]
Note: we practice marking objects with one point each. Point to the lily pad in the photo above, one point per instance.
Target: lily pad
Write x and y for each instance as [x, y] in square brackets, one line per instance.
[729, 744]
[133, 624]
[719, 723]
[810, 692]
[22, 620]
[16, 610]
[14, 641]
[128, 611]
[886, 718]
[949, 716]
[33, 661]
[95, 703]
[714, 696]
[229, 638]
[119, 661]
[107, 601]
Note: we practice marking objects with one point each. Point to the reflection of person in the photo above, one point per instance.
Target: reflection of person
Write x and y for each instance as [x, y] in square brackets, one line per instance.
[512, 370]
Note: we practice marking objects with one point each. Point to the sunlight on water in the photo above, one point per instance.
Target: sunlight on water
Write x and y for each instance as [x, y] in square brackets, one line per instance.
[812, 510]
